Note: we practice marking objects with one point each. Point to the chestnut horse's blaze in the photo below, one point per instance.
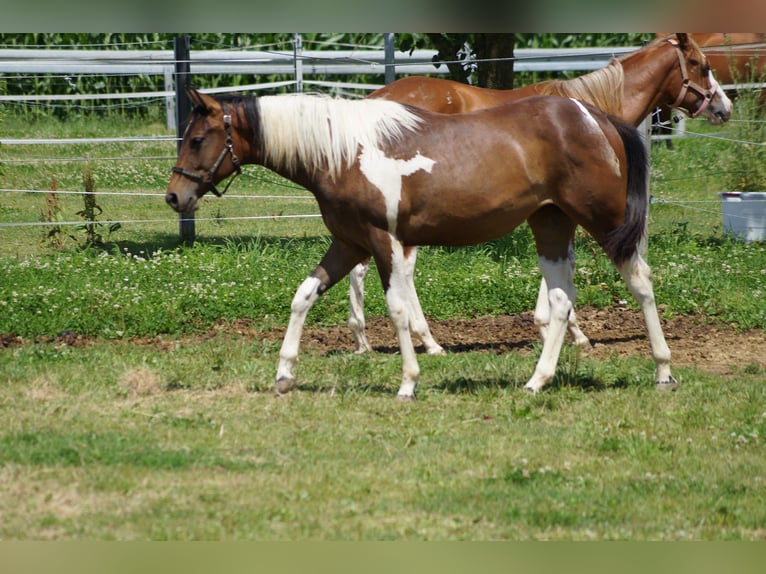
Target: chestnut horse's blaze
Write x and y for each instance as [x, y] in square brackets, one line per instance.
[389, 177]
[669, 70]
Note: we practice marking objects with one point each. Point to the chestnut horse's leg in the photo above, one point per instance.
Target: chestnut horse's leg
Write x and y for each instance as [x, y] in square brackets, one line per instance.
[336, 264]
[356, 320]
[638, 277]
[560, 282]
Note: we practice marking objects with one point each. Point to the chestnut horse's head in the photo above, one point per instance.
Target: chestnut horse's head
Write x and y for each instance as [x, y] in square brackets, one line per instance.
[700, 93]
[206, 155]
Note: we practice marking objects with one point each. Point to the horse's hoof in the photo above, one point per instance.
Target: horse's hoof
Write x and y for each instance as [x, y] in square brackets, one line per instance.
[283, 386]
[405, 398]
[667, 386]
[531, 390]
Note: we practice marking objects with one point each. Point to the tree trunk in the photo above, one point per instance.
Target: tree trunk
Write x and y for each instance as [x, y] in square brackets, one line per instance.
[494, 53]
[497, 72]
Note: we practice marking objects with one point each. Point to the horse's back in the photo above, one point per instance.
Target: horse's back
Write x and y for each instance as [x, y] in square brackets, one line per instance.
[445, 96]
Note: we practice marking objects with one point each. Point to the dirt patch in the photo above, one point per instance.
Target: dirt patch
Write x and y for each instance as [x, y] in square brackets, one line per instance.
[693, 340]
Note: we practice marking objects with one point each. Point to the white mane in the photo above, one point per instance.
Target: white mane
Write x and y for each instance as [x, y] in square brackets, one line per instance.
[321, 132]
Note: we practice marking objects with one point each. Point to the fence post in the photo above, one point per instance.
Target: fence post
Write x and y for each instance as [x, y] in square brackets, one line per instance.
[170, 109]
[298, 58]
[183, 107]
[388, 47]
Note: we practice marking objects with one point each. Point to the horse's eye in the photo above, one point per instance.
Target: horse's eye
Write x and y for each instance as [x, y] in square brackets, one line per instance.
[196, 142]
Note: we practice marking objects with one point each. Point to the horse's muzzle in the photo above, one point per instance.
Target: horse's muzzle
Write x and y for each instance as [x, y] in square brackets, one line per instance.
[178, 205]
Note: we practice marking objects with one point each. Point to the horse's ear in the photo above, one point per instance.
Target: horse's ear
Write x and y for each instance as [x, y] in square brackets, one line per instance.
[194, 95]
[199, 99]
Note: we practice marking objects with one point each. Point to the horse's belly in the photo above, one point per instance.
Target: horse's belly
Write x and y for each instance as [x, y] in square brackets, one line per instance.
[457, 230]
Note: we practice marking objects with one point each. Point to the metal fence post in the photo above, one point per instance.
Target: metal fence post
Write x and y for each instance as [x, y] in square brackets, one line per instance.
[298, 55]
[388, 47]
[183, 107]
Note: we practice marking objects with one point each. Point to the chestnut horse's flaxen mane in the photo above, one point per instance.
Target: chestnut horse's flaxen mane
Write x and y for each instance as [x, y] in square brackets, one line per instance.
[602, 88]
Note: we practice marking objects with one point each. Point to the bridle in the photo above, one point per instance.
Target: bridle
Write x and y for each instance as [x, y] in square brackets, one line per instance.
[687, 84]
[228, 148]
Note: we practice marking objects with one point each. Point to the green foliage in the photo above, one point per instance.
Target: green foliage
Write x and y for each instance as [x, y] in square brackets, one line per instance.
[748, 166]
[46, 84]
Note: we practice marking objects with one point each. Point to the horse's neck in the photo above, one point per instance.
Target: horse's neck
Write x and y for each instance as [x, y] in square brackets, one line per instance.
[646, 85]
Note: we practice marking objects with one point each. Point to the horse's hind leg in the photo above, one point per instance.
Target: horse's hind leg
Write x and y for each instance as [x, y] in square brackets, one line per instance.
[638, 278]
[356, 320]
[559, 281]
[336, 264]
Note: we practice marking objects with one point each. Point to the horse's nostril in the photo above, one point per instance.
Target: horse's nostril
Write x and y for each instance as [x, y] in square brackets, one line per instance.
[171, 199]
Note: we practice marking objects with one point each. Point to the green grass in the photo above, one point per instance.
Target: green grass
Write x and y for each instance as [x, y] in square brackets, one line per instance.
[105, 443]
[177, 436]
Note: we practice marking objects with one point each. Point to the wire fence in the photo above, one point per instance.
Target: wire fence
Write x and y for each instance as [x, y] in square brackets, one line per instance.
[352, 58]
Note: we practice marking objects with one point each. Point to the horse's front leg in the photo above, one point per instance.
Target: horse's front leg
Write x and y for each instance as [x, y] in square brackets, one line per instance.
[418, 322]
[560, 285]
[356, 321]
[336, 264]
[392, 267]
[542, 315]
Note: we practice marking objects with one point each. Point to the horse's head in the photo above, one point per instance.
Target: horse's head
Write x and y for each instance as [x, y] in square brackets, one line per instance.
[700, 94]
[206, 155]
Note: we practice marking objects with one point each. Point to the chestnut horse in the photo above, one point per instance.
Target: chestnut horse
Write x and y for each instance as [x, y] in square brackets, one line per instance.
[735, 58]
[669, 70]
[390, 177]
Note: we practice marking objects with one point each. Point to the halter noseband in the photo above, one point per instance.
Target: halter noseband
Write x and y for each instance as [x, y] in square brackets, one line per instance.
[228, 147]
[687, 84]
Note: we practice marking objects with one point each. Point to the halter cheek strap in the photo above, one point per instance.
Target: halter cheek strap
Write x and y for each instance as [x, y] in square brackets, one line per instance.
[228, 148]
[687, 84]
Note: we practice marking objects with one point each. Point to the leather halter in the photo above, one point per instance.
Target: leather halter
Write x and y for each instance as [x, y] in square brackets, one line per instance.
[228, 147]
[687, 84]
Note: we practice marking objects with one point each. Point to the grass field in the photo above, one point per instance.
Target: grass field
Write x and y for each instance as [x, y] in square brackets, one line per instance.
[157, 430]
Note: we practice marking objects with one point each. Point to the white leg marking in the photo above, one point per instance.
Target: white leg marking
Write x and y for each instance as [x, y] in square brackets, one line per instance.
[304, 299]
[558, 278]
[542, 315]
[418, 323]
[399, 310]
[356, 321]
[638, 277]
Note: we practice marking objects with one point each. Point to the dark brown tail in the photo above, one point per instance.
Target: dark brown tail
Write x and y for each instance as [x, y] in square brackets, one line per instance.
[621, 243]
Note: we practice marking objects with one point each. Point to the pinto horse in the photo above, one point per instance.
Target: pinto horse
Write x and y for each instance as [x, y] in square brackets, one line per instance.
[669, 70]
[390, 177]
